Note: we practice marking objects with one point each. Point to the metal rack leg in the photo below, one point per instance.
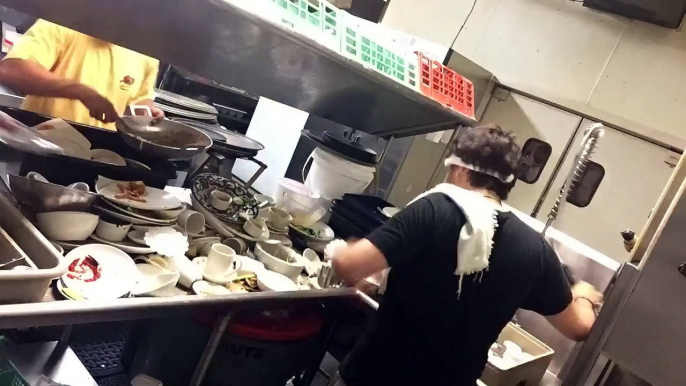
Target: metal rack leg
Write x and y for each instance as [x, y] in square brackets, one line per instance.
[63, 342]
[208, 354]
[327, 334]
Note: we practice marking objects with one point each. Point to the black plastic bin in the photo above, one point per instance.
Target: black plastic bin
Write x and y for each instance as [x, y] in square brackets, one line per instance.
[67, 170]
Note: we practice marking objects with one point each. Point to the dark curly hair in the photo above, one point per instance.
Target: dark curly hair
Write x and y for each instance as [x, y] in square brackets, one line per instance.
[491, 149]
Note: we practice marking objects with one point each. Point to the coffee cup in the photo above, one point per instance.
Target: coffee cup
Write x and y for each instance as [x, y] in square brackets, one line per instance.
[278, 218]
[191, 221]
[236, 244]
[220, 261]
[220, 200]
[255, 228]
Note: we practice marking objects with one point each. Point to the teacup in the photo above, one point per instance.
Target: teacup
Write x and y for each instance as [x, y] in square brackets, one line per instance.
[220, 200]
[191, 221]
[220, 262]
[278, 218]
[205, 248]
[236, 244]
[255, 228]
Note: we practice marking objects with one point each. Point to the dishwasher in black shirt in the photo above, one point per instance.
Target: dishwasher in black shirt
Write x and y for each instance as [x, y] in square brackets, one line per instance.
[422, 333]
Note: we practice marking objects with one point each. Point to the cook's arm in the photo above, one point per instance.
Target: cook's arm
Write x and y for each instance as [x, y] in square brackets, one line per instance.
[397, 243]
[576, 321]
[30, 78]
[358, 260]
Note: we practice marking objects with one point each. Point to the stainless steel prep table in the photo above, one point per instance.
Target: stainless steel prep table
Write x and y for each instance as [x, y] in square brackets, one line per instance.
[53, 312]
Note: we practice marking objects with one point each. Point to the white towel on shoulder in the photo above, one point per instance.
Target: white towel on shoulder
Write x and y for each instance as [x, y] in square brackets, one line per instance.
[475, 242]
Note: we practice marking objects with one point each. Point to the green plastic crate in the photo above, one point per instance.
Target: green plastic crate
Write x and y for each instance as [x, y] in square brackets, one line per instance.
[317, 19]
[379, 53]
[10, 376]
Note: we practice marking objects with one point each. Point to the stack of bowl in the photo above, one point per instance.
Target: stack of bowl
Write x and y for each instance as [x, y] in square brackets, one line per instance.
[62, 213]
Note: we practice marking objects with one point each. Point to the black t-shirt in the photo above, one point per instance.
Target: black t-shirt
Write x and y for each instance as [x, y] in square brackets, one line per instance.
[422, 334]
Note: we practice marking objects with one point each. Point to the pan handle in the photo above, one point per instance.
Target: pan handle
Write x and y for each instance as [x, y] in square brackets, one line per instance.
[134, 108]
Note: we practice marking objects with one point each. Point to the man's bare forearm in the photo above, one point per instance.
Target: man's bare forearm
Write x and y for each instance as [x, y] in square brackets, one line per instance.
[29, 78]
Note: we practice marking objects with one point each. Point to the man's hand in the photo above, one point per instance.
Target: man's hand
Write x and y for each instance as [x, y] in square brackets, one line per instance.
[576, 321]
[100, 107]
[583, 290]
[157, 113]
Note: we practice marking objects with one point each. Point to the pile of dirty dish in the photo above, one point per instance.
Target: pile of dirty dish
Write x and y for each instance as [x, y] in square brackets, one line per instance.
[127, 239]
[260, 230]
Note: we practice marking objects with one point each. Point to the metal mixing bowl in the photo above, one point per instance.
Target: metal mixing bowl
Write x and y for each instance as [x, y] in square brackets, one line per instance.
[46, 197]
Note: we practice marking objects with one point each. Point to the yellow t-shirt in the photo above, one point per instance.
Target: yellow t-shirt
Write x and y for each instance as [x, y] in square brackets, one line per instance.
[121, 75]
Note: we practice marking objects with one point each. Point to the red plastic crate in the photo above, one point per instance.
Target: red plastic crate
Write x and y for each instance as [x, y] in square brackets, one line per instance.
[446, 86]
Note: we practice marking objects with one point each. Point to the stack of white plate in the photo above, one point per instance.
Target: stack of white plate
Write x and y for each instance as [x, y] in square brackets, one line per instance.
[182, 106]
[160, 207]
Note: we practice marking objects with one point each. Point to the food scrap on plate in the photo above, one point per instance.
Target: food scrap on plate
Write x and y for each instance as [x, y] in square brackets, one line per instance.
[87, 269]
[132, 190]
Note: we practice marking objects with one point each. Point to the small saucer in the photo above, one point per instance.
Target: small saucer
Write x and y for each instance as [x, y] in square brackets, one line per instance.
[283, 231]
[240, 234]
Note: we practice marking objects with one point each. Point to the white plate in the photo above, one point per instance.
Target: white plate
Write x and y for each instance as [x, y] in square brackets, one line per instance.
[125, 217]
[325, 232]
[117, 269]
[156, 199]
[137, 236]
[209, 289]
[128, 212]
[67, 137]
[125, 245]
[107, 157]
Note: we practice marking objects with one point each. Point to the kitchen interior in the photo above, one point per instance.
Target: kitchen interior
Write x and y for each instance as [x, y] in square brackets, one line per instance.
[281, 100]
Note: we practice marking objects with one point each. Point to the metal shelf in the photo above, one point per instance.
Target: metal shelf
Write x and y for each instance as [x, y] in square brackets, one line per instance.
[220, 41]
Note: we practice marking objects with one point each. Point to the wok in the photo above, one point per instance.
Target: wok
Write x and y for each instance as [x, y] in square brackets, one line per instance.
[162, 139]
[47, 197]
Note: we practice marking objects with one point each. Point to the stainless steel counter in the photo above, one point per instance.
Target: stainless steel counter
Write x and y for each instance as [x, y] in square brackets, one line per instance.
[220, 41]
[55, 313]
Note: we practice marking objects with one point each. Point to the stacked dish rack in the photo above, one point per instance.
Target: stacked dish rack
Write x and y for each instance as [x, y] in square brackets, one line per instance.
[368, 44]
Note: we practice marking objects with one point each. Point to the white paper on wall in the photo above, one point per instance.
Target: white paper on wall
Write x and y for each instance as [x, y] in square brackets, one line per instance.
[278, 128]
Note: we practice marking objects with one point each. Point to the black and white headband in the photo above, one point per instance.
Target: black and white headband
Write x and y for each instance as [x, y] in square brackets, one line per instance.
[454, 160]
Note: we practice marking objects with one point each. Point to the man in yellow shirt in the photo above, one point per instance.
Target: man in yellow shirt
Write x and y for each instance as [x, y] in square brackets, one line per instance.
[73, 76]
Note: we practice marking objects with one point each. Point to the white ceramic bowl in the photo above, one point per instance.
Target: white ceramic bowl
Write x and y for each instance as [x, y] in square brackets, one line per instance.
[274, 263]
[67, 226]
[111, 231]
[272, 281]
[324, 231]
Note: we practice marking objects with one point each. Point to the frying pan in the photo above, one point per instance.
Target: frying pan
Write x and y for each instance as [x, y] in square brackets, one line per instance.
[162, 139]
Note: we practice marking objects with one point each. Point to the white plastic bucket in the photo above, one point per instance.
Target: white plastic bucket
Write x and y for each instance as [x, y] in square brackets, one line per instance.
[332, 176]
